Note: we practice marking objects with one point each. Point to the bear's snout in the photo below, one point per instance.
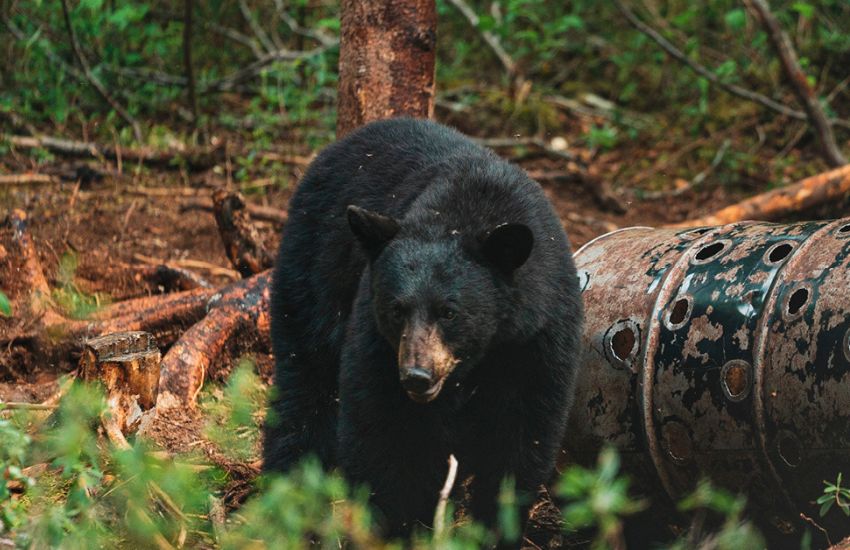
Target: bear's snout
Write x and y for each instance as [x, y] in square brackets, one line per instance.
[417, 380]
[424, 361]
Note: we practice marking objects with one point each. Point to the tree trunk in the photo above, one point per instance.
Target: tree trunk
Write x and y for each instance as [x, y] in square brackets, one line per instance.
[386, 61]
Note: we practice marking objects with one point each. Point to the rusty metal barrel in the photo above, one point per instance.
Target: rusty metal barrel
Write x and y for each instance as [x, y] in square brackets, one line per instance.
[724, 353]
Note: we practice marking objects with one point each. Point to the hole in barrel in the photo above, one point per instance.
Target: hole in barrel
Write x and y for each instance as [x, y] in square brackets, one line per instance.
[797, 300]
[679, 312]
[709, 251]
[779, 253]
[622, 343]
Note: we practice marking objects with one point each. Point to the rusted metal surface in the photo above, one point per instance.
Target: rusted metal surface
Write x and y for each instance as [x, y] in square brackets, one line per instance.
[723, 353]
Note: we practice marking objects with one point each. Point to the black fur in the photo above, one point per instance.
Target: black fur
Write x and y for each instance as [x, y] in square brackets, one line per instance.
[505, 297]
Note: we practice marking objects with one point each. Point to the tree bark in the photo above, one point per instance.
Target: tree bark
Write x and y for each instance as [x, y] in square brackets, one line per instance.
[386, 61]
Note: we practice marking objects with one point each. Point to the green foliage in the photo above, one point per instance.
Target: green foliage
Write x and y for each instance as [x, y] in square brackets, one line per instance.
[234, 413]
[135, 48]
[834, 494]
[14, 447]
[307, 501]
[598, 499]
[734, 533]
[603, 137]
[73, 302]
[5, 305]
[95, 495]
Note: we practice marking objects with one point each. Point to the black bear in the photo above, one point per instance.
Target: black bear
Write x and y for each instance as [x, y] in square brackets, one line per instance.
[424, 303]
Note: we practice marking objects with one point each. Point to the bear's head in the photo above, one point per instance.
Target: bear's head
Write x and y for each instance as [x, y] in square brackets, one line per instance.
[436, 296]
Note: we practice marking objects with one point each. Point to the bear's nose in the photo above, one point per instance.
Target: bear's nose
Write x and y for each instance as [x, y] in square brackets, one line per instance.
[417, 380]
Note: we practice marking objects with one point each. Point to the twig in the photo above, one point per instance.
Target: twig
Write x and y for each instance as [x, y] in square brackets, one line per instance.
[96, 84]
[709, 75]
[116, 436]
[440, 512]
[804, 92]
[297, 28]
[696, 181]
[248, 72]
[255, 27]
[499, 143]
[806, 518]
[26, 179]
[237, 36]
[489, 38]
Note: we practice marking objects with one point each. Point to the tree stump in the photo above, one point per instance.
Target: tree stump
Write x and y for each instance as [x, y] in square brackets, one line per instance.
[127, 364]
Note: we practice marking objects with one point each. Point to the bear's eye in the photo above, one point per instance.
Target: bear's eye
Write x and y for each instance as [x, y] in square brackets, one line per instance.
[448, 313]
[398, 312]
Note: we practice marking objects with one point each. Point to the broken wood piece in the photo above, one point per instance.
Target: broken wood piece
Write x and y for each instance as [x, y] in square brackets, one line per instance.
[773, 205]
[128, 366]
[259, 212]
[242, 242]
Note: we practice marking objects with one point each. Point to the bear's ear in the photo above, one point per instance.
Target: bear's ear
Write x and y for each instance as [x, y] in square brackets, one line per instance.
[508, 246]
[373, 230]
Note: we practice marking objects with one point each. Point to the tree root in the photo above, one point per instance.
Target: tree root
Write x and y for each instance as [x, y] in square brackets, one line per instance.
[202, 323]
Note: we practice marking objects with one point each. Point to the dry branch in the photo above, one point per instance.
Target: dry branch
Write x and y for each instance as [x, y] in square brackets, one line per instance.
[197, 159]
[440, 512]
[264, 213]
[773, 205]
[299, 29]
[489, 38]
[179, 277]
[804, 92]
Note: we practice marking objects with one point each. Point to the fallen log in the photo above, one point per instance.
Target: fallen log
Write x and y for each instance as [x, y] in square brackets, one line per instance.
[195, 159]
[774, 205]
[239, 310]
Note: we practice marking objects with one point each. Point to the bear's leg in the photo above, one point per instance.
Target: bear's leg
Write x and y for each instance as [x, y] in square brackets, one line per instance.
[302, 418]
